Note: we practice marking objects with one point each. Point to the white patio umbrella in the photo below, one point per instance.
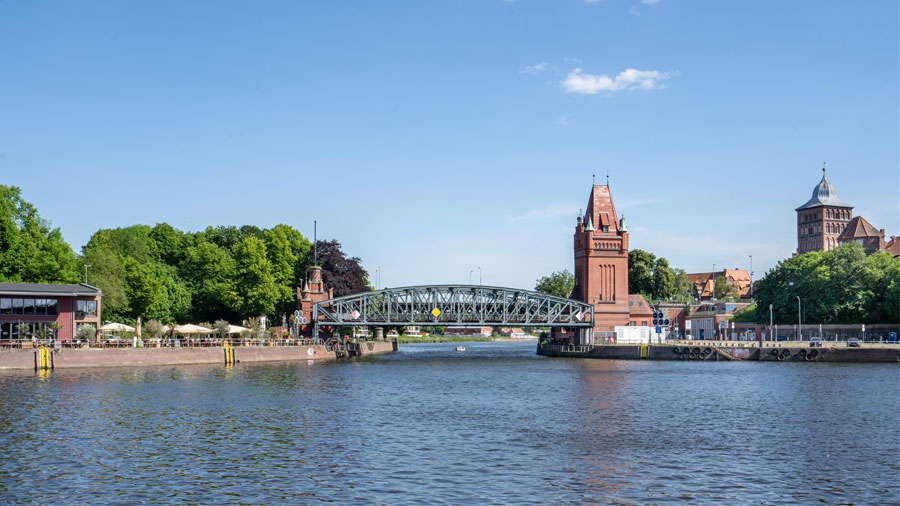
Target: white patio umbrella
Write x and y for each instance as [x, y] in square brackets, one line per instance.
[190, 328]
[235, 329]
[117, 327]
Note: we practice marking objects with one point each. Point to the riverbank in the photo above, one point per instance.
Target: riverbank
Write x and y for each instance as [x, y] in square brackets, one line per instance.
[60, 358]
[794, 351]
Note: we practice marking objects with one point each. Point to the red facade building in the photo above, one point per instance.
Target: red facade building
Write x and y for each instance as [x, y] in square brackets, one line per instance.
[601, 261]
[47, 311]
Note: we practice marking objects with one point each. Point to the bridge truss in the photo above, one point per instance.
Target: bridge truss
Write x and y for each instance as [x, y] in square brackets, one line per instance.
[444, 305]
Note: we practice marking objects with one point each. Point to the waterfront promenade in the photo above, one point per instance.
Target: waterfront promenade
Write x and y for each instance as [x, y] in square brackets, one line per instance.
[142, 357]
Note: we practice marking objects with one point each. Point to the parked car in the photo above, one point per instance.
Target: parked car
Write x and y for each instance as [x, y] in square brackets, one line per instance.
[815, 342]
[853, 342]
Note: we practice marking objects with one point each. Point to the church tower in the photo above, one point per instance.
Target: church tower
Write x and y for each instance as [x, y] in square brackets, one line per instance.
[822, 219]
[601, 260]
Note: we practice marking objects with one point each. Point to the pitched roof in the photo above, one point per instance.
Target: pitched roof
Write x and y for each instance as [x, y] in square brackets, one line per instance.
[824, 194]
[638, 306]
[893, 246]
[858, 228]
[601, 209]
[33, 289]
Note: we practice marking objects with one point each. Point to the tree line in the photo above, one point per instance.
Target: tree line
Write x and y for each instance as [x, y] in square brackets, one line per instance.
[839, 286]
[221, 273]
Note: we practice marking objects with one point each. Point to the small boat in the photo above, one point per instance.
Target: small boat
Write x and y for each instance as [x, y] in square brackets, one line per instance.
[460, 348]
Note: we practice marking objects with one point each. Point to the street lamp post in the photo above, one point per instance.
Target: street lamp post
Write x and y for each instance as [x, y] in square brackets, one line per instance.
[771, 336]
[712, 296]
[85, 273]
[751, 276]
[479, 276]
[799, 323]
[470, 276]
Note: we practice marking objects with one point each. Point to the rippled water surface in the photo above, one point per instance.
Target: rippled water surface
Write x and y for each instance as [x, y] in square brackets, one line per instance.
[428, 425]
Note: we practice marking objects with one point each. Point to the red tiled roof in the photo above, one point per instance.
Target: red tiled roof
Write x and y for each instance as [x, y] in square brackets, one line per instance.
[858, 228]
[638, 306]
[601, 208]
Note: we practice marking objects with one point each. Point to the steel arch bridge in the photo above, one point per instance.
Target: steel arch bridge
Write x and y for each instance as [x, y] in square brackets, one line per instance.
[452, 305]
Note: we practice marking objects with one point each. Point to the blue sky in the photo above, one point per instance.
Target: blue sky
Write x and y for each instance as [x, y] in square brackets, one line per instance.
[443, 140]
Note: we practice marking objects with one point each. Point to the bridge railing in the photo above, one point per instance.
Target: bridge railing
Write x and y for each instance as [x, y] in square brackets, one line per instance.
[454, 305]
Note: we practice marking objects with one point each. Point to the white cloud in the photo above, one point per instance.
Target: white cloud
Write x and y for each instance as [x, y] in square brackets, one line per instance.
[649, 2]
[563, 121]
[536, 69]
[590, 84]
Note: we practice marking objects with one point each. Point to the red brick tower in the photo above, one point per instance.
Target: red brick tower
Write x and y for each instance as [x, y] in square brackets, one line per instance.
[601, 260]
[313, 291]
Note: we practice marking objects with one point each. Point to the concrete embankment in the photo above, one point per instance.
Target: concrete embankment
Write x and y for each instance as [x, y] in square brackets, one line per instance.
[141, 357]
[717, 351]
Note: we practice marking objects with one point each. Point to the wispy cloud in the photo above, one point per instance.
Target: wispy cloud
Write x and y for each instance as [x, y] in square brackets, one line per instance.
[537, 69]
[564, 120]
[590, 84]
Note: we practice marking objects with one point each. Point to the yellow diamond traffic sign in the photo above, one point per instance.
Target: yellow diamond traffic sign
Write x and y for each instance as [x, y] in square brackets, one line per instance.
[436, 312]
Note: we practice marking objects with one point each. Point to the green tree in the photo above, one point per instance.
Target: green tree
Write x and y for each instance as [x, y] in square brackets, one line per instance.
[683, 286]
[840, 286]
[156, 292]
[30, 251]
[640, 273]
[286, 249]
[664, 286]
[560, 284]
[255, 281]
[211, 275]
[724, 289]
[167, 244]
[107, 272]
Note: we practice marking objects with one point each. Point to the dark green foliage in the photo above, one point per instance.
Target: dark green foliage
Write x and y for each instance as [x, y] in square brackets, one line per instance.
[840, 286]
[653, 278]
[559, 284]
[165, 275]
[345, 275]
[30, 251]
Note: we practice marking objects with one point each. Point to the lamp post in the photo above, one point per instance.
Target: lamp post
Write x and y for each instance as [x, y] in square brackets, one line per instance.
[751, 277]
[770, 323]
[799, 323]
[470, 276]
[479, 276]
[712, 296]
[86, 266]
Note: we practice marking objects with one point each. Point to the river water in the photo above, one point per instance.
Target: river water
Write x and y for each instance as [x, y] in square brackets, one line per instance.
[494, 424]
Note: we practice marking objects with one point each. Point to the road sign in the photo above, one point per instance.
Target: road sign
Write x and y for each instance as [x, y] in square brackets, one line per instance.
[436, 312]
[658, 329]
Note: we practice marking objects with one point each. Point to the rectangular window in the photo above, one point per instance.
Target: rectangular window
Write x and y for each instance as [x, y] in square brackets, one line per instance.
[52, 306]
[40, 306]
[17, 306]
[28, 306]
[88, 307]
[6, 306]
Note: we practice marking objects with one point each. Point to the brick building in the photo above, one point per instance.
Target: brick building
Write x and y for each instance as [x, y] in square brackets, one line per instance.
[47, 310]
[601, 260]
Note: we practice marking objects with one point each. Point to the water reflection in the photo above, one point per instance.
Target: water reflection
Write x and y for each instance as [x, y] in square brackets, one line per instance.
[494, 424]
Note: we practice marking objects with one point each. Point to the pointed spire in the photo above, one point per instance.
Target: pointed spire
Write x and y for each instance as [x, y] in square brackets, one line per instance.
[607, 179]
[590, 225]
[622, 224]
